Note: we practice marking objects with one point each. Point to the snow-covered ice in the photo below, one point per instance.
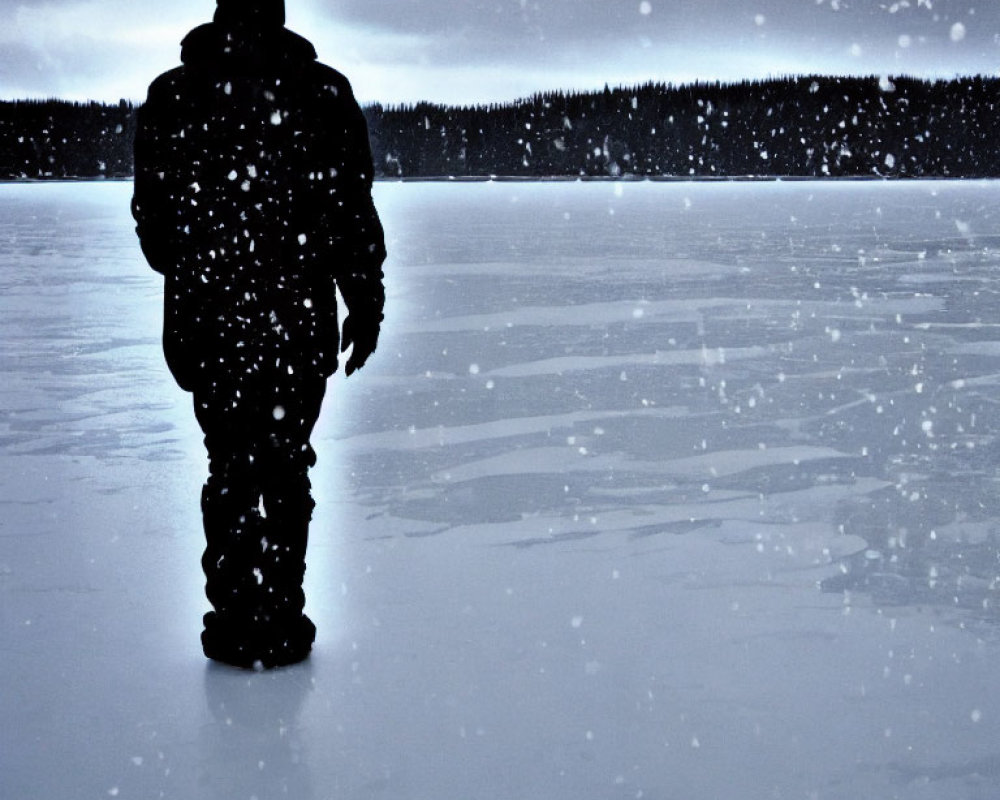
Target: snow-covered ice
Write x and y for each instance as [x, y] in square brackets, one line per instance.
[652, 490]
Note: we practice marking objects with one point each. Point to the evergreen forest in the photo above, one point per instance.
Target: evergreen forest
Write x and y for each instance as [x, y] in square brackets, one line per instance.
[786, 127]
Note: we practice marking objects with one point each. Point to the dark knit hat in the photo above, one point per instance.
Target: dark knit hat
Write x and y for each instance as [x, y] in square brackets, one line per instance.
[259, 13]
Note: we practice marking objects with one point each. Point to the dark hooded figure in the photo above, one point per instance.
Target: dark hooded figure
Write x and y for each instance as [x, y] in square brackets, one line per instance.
[253, 176]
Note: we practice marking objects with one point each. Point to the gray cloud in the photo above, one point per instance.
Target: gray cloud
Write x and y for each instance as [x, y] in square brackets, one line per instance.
[511, 25]
[583, 21]
[433, 48]
[584, 43]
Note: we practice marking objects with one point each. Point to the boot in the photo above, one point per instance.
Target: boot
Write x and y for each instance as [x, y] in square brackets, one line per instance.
[257, 642]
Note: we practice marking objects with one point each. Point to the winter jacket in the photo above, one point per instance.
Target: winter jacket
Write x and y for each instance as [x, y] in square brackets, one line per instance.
[253, 176]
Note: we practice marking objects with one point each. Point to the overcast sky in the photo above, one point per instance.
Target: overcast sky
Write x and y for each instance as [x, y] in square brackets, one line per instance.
[465, 51]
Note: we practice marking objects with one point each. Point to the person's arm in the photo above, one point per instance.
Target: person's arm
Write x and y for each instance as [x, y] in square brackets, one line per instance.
[360, 278]
[155, 174]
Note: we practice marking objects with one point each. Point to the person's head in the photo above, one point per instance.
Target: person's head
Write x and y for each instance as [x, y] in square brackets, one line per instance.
[258, 13]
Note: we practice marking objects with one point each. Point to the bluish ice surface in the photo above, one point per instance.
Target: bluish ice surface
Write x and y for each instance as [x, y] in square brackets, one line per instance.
[651, 490]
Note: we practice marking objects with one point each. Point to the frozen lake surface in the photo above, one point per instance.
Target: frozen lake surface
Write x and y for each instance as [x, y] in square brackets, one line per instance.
[658, 491]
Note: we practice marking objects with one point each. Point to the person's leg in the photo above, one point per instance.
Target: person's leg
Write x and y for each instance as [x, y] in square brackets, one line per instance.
[285, 459]
[232, 525]
[259, 456]
[230, 503]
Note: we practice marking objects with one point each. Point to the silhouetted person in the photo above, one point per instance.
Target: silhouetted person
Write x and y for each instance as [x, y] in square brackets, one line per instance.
[253, 176]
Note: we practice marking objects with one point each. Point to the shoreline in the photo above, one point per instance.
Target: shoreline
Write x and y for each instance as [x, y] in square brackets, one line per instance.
[585, 179]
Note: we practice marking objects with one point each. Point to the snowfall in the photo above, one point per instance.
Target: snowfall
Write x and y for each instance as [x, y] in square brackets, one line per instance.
[672, 491]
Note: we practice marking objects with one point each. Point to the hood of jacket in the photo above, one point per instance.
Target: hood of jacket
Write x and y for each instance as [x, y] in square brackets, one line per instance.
[237, 45]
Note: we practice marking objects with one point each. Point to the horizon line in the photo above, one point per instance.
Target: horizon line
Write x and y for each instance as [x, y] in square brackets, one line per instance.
[697, 82]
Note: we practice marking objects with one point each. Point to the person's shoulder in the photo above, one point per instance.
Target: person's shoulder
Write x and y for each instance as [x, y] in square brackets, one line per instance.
[297, 47]
[332, 81]
[165, 86]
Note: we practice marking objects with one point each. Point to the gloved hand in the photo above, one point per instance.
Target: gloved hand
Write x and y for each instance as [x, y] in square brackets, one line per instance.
[159, 254]
[360, 330]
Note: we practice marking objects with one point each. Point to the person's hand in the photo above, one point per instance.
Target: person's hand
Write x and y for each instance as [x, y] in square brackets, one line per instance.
[362, 333]
[159, 255]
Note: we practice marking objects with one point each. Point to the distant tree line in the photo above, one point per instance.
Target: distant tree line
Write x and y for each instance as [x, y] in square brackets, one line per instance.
[57, 139]
[807, 126]
[811, 126]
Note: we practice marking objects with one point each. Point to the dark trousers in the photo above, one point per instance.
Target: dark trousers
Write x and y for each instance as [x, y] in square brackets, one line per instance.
[256, 503]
